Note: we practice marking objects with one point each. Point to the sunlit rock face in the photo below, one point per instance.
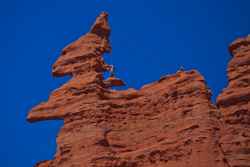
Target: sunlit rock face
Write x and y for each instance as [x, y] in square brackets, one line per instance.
[234, 104]
[168, 123]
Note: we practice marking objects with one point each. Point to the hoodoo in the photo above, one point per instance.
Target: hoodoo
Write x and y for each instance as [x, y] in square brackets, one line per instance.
[168, 123]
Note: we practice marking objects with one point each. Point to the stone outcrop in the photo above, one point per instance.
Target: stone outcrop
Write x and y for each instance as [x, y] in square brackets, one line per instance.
[234, 104]
[170, 122]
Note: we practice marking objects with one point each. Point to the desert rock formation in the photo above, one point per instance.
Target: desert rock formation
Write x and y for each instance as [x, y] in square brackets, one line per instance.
[168, 123]
[234, 104]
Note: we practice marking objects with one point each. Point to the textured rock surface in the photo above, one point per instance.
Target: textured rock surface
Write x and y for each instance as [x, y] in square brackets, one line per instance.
[234, 104]
[170, 122]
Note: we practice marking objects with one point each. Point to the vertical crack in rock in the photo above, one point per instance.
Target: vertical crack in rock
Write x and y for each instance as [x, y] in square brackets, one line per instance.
[170, 122]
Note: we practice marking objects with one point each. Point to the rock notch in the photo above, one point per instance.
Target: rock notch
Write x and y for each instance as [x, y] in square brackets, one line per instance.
[170, 122]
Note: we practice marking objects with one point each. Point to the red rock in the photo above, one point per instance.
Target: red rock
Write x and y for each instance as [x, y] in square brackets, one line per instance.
[234, 103]
[112, 81]
[170, 122]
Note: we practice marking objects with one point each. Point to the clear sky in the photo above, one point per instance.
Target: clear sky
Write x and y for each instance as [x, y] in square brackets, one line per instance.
[150, 38]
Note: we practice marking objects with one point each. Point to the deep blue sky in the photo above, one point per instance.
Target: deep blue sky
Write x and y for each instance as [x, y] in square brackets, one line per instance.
[149, 39]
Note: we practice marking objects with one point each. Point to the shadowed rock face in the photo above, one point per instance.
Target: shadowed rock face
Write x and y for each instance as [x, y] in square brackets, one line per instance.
[168, 123]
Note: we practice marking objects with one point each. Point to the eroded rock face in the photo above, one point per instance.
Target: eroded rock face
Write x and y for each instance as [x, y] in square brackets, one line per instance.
[234, 104]
[170, 122]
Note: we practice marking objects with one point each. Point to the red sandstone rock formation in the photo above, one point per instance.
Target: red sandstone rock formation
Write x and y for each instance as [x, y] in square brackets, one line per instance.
[234, 104]
[170, 122]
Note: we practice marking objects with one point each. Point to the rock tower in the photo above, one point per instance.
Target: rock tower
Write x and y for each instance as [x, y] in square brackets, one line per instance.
[168, 123]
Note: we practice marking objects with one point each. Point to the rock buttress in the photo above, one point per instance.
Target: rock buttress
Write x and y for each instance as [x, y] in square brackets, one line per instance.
[234, 103]
[170, 122]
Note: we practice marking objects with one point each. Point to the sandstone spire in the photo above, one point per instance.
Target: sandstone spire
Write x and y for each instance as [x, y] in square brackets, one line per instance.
[168, 123]
[85, 54]
[82, 59]
[234, 103]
